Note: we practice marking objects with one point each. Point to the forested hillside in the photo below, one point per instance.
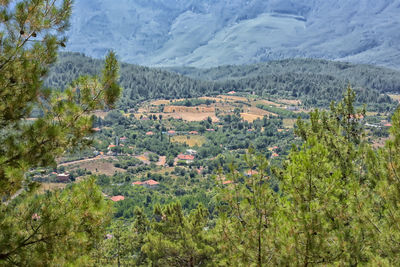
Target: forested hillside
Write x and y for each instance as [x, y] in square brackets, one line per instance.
[315, 82]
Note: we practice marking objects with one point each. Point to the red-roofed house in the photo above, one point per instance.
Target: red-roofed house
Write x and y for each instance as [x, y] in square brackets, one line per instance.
[188, 158]
[388, 125]
[96, 129]
[149, 133]
[123, 139]
[117, 198]
[210, 130]
[137, 183]
[193, 132]
[151, 183]
[274, 155]
[171, 132]
[111, 146]
[227, 182]
[231, 93]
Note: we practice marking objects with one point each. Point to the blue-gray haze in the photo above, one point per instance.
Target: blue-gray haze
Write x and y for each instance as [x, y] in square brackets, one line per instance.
[206, 33]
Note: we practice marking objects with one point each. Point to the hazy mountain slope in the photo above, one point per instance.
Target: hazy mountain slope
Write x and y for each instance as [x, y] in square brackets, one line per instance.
[219, 32]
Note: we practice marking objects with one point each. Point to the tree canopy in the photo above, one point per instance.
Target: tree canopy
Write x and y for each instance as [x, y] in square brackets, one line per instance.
[45, 228]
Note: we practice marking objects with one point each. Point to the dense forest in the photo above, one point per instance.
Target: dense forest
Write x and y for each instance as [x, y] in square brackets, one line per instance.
[315, 82]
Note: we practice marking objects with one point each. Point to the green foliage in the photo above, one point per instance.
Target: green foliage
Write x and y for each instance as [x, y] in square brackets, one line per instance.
[54, 228]
[176, 240]
[314, 82]
[57, 228]
[193, 102]
[248, 224]
[281, 111]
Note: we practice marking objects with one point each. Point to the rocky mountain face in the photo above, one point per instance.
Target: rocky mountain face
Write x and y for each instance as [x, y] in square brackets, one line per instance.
[205, 33]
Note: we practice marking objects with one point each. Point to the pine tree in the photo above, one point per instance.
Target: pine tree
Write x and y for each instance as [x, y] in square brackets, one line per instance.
[327, 191]
[178, 240]
[384, 174]
[248, 227]
[40, 230]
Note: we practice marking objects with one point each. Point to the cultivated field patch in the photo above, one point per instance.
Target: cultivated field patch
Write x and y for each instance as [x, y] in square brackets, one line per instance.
[289, 123]
[293, 102]
[250, 117]
[190, 140]
[179, 109]
[101, 166]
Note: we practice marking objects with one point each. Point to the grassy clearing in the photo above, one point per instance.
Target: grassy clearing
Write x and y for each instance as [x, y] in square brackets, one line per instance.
[250, 117]
[289, 123]
[101, 166]
[293, 102]
[190, 140]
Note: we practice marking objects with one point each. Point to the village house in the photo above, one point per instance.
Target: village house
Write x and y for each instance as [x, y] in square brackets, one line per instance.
[63, 177]
[171, 132]
[186, 158]
[149, 133]
[111, 146]
[151, 183]
[274, 155]
[193, 132]
[117, 198]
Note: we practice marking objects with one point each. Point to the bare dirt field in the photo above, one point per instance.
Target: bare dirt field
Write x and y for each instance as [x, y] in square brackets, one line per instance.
[192, 116]
[190, 140]
[250, 117]
[178, 109]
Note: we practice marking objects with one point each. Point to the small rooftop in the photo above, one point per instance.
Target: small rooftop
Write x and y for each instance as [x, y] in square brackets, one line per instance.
[117, 198]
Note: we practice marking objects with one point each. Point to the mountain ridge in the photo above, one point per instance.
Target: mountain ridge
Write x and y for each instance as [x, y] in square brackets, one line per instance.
[219, 32]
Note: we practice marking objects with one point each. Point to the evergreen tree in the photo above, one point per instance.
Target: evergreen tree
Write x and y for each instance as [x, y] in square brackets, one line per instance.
[248, 226]
[326, 190]
[58, 227]
[176, 240]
